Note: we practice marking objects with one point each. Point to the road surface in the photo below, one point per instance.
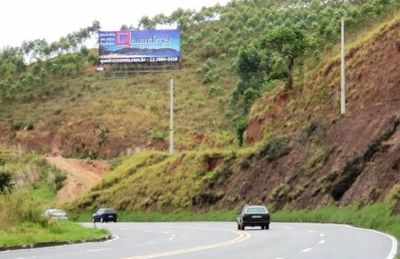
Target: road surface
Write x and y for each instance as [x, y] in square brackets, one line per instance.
[222, 240]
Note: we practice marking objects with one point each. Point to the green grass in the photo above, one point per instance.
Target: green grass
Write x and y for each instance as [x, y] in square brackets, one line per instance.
[44, 192]
[159, 216]
[63, 231]
[376, 216]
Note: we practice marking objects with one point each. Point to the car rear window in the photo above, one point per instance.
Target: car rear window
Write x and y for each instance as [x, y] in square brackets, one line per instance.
[110, 211]
[256, 210]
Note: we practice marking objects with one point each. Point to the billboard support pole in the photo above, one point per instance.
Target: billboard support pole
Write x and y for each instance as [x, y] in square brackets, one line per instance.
[171, 116]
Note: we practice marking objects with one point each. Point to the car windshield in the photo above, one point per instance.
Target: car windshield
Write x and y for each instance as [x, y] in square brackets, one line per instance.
[110, 211]
[57, 211]
[256, 210]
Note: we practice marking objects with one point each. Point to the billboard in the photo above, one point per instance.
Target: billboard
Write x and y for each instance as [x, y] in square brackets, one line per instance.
[139, 46]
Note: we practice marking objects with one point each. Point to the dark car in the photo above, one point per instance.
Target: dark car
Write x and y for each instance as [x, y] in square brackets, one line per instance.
[253, 216]
[105, 215]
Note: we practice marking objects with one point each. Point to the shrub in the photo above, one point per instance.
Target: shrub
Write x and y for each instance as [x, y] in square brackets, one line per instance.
[159, 135]
[240, 123]
[5, 181]
[276, 148]
[216, 91]
[206, 198]
[398, 45]
[59, 178]
[18, 207]
[211, 77]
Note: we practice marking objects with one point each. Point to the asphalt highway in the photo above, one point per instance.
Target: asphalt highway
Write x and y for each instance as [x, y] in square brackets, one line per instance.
[222, 240]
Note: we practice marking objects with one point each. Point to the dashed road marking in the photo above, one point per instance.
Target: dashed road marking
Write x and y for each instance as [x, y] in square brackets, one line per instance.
[310, 231]
[146, 243]
[321, 242]
[96, 250]
[306, 250]
[321, 235]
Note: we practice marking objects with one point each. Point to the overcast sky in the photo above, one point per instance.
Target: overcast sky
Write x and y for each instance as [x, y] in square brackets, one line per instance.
[51, 19]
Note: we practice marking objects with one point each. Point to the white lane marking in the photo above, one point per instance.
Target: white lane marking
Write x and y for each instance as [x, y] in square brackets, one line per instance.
[242, 236]
[172, 237]
[321, 235]
[306, 250]
[322, 241]
[290, 228]
[165, 232]
[310, 231]
[96, 250]
[114, 238]
[146, 243]
[393, 251]
[279, 258]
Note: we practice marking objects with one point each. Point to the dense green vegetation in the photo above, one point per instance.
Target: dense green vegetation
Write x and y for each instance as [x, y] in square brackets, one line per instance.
[20, 81]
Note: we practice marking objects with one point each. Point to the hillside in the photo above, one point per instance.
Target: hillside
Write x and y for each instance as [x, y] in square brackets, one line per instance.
[79, 113]
[307, 155]
[256, 109]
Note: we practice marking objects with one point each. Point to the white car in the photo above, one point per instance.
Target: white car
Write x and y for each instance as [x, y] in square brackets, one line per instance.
[55, 214]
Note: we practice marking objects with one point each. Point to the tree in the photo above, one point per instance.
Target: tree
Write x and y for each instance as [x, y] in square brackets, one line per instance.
[146, 23]
[240, 122]
[248, 62]
[124, 27]
[290, 43]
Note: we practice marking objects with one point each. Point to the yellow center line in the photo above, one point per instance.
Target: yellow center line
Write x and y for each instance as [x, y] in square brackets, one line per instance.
[242, 236]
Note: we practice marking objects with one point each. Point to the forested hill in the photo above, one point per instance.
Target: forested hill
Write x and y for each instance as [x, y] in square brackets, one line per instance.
[231, 55]
[283, 106]
[256, 102]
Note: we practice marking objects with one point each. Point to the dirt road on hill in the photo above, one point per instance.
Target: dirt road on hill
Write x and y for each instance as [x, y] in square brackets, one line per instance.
[81, 175]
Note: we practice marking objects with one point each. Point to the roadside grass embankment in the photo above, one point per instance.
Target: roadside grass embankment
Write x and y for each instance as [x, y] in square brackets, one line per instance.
[23, 225]
[56, 232]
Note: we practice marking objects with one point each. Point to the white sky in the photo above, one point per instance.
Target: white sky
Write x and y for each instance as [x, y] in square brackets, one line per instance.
[51, 19]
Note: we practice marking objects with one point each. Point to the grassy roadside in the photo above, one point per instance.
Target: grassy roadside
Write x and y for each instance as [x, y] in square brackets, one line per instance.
[158, 216]
[22, 223]
[58, 231]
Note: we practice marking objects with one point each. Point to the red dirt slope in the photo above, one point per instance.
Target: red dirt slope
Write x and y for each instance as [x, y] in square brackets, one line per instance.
[356, 158]
[81, 175]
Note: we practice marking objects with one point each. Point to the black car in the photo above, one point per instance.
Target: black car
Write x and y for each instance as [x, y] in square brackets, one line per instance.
[105, 215]
[252, 216]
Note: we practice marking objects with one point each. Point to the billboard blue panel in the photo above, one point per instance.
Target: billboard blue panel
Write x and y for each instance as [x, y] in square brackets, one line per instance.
[139, 46]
